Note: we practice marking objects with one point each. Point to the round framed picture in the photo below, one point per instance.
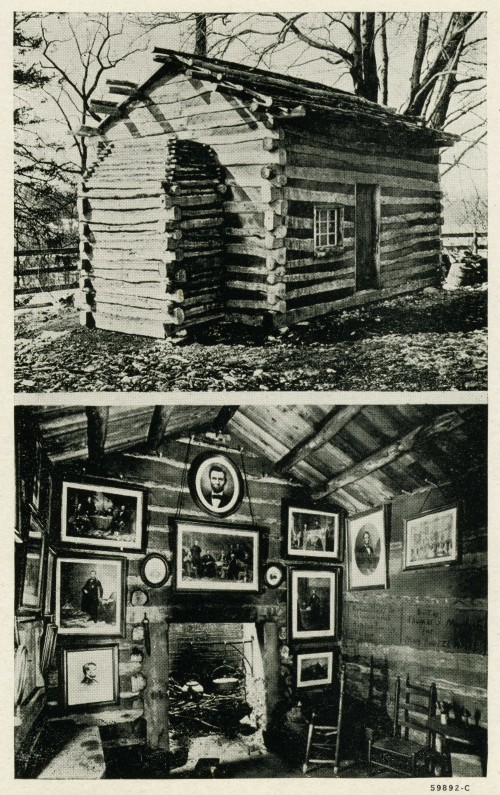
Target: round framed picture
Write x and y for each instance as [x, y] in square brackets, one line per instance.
[215, 484]
[274, 574]
[139, 597]
[154, 570]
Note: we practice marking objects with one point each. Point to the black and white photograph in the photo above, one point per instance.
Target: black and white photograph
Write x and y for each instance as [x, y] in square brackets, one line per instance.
[314, 669]
[260, 201]
[226, 646]
[89, 675]
[33, 583]
[89, 595]
[102, 515]
[216, 558]
[313, 599]
[366, 550]
[216, 484]
[431, 539]
[312, 533]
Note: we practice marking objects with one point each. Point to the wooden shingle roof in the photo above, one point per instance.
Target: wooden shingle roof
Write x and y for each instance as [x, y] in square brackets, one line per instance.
[283, 96]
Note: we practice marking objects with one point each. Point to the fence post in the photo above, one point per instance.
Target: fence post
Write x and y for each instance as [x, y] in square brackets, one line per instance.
[475, 237]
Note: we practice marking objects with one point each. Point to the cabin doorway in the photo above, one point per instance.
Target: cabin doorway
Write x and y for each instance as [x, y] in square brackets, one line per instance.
[367, 226]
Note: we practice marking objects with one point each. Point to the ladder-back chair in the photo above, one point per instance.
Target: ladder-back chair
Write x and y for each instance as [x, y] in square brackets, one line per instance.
[408, 751]
[323, 739]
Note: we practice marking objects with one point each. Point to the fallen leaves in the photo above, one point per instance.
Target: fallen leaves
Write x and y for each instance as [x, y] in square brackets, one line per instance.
[432, 341]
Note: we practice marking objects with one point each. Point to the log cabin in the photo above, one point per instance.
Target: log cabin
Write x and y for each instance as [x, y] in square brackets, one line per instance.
[146, 679]
[218, 191]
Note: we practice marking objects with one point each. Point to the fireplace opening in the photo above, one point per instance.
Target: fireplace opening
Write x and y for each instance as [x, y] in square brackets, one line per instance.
[217, 695]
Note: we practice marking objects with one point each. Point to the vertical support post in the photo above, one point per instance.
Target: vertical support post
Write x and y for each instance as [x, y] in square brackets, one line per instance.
[156, 692]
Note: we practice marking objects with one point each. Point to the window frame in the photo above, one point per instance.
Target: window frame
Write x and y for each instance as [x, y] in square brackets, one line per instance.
[322, 249]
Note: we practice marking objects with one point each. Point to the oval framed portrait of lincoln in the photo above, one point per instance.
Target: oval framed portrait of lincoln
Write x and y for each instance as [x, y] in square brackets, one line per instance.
[215, 484]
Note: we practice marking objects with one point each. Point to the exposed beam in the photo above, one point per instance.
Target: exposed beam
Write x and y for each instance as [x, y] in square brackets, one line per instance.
[223, 417]
[97, 430]
[413, 440]
[158, 427]
[331, 424]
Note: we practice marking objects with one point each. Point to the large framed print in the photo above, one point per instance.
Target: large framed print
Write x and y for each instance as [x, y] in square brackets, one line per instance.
[103, 515]
[215, 484]
[216, 558]
[311, 533]
[366, 550]
[431, 539]
[314, 669]
[89, 675]
[90, 595]
[313, 603]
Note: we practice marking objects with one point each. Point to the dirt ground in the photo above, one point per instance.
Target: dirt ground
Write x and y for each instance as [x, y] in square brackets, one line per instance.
[434, 340]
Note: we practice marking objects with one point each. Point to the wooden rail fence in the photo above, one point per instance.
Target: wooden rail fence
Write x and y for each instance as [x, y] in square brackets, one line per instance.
[476, 240]
[44, 269]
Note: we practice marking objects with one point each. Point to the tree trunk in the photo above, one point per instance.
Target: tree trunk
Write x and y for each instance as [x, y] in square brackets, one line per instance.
[200, 34]
[364, 67]
[384, 67]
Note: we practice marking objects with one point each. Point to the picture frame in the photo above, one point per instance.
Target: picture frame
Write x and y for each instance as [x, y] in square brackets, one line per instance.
[34, 570]
[313, 603]
[103, 515]
[215, 484]
[49, 583]
[224, 558]
[90, 595]
[431, 538]
[154, 570]
[367, 549]
[313, 669]
[88, 676]
[274, 574]
[311, 533]
[48, 646]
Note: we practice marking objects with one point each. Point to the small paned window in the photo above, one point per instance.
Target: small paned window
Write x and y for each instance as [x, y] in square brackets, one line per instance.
[328, 227]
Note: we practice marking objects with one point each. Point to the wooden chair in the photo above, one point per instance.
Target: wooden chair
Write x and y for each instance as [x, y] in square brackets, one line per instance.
[408, 751]
[323, 740]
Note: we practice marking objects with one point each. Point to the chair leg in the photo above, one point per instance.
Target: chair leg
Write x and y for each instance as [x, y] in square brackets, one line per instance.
[308, 747]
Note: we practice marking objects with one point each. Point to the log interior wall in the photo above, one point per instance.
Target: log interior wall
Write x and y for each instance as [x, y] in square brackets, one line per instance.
[323, 165]
[431, 622]
[163, 476]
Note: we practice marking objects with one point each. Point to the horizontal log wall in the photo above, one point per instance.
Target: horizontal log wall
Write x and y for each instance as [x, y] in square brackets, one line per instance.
[168, 496]
[190, 109]
[431, 622]
[324, 166]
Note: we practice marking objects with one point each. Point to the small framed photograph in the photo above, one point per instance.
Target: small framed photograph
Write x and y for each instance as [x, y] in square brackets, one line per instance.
[154, 570]
[215, 484]
[216, 558]
[274, 574]
[89, 675]
[313, 603]
[102, 515]
[366, 550]
[32, 590]
[90, 595]
[311, 533]
[314, 669]
[431, 539]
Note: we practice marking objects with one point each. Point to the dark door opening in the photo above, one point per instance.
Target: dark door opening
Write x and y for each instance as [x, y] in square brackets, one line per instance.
[367, 224]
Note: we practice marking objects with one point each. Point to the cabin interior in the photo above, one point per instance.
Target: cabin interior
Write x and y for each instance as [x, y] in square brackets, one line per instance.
[200, 589]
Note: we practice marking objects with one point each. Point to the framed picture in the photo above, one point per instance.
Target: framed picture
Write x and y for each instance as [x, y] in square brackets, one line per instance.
[90, 595]
[48, 647]
[32, 589]
[215, 484]
[313, 603]
[314, 669]
[154, 570]
[311, 533]
[274, 574]
[49, 583]
[89, 675]
[216, 558]
[105, 516]
[431, 539]
[366, 550]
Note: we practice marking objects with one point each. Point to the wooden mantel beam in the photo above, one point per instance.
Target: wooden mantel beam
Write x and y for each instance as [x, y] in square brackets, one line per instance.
[97, 431]
[223, 417]
[331, 424]
[413, 440]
